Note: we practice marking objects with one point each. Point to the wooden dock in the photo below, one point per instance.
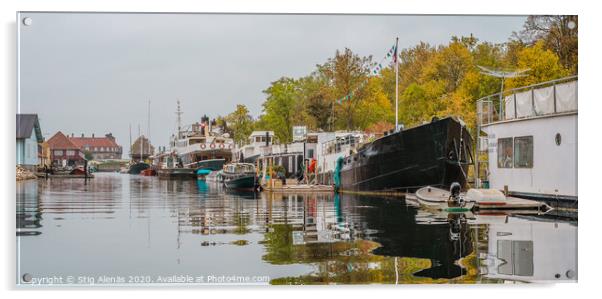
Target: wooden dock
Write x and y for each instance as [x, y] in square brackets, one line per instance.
[512, 203]
[65, 176]
[299, 188]
[177, 173]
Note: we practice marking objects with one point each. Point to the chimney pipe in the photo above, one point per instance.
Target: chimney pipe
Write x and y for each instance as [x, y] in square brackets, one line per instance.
[82, 135]
[92, 135]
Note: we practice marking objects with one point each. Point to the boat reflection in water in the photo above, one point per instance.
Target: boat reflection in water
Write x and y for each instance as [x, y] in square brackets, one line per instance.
[364, 239]
[521, 248]
[195, 227]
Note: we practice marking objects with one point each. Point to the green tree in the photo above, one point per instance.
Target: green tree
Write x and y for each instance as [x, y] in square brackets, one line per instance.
[315, 101]
[241, 124]
[88, 155]
[280, 108]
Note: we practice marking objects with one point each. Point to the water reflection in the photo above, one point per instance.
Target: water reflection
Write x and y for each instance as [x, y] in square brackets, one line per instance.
[130, 225]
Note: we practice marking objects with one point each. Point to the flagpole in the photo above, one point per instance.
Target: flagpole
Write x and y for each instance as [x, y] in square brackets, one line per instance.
[396, 86]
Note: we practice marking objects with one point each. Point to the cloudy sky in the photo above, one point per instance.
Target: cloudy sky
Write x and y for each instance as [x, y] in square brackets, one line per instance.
[95, 73]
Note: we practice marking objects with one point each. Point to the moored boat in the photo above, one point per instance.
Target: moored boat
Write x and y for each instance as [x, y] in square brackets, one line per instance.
[136, 168]
[177, 173]
[433, 154]
[531, 142]
[148, 172]
[240, 176]
[205, 167]
[443, 200]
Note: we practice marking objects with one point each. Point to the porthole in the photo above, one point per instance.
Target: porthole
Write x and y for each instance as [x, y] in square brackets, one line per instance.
[558, 139]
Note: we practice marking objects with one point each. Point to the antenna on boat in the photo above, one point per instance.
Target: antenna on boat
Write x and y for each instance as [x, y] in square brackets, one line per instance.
[502, 74]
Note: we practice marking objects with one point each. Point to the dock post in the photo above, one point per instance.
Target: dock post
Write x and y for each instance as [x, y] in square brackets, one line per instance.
[85, 172]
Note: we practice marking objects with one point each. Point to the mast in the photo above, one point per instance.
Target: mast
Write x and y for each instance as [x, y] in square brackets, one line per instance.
[396, 86]
[148, 123]
[141, 142]
[131, 154]
[179, 117]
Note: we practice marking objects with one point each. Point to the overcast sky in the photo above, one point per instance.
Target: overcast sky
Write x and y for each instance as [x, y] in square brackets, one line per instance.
[94, 73]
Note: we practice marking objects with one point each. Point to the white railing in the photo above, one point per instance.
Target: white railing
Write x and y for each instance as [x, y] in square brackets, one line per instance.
[547, 98]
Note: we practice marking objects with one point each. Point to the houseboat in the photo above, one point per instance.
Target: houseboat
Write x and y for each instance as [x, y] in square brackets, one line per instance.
[203, 141]
[262, 150]
[434, 154]
[530, 141]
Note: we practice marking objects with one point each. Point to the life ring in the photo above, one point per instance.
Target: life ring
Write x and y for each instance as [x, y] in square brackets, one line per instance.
[202, 145]
[213, 145]
[221, 145]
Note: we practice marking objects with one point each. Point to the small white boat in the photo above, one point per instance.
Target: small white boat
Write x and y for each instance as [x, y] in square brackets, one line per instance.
[443, 200]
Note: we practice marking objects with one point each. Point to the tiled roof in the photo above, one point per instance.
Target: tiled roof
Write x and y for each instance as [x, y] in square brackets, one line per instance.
[60, 141]
[93, 142]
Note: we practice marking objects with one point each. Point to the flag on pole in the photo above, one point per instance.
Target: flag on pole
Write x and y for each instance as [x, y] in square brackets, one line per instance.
[395, 53]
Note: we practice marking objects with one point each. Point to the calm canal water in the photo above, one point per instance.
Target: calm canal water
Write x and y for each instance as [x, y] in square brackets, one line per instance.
[130, 229]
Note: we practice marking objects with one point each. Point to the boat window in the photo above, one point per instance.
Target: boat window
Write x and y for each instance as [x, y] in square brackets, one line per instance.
[196, 140]
[523, 152]
[504, 153]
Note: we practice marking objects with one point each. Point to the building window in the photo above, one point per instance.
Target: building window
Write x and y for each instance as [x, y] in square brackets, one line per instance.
[310, 153]
[504, 153]
[257, 139]
[523, 152]
[70, 153]
[58, 153]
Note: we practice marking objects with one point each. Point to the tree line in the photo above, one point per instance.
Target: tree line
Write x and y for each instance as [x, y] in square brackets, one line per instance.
[434, 81]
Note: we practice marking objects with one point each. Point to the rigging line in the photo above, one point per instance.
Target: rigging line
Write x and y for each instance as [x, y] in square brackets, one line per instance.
[372, 69]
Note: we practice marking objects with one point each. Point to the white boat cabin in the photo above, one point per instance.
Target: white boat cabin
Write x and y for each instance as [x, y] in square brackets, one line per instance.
[531, 140]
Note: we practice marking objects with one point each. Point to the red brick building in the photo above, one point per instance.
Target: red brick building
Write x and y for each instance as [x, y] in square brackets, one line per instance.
[63, 152]
[101, 148]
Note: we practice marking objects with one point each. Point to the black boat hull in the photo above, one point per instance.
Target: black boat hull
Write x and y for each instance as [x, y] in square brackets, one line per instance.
[410, 159]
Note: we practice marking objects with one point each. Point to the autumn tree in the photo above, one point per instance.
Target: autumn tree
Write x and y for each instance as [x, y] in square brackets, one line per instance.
[346, 72]
[542, 65]
[557, 33]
